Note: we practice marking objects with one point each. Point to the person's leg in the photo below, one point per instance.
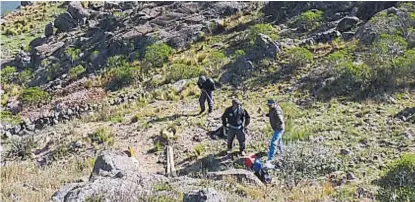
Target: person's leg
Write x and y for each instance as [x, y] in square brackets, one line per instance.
[202, 100]
[230, 137]
[280, 143]
[241, 139]
[273, 144]
[210, 100]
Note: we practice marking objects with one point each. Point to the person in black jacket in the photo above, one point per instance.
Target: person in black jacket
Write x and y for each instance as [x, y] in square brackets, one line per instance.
[207, 85]
[236, 119]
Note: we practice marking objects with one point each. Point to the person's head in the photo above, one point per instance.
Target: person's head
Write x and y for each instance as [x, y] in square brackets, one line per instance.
[202, 79]
[271, 103]
[236, 103]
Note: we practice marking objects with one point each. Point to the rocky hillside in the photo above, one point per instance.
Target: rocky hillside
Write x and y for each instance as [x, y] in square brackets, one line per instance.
[94, 94]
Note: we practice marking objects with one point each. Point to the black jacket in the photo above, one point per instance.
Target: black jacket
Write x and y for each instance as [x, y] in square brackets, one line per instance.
[208, 85]
[239, 117]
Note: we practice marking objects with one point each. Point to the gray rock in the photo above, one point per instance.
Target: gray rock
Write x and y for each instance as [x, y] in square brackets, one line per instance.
[347, 35]
[111, 163]
[179, 85]
[204, 195]
[347, 23]
[243, 176]
[65, 22]
[350, 176]
[266, 46]
[345, 152]
[26, 3]
[409, 135]
[77, 11]
[49, 29]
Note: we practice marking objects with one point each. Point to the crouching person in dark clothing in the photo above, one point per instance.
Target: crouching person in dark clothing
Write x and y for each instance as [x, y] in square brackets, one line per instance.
[236, 119]
[207, 85]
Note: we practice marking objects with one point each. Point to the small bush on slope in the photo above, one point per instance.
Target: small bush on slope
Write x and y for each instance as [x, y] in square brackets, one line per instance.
[398, 181]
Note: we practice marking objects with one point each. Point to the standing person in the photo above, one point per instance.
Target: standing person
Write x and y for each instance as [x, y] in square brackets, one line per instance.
[277, 123]
[207, 86]
[238, 119]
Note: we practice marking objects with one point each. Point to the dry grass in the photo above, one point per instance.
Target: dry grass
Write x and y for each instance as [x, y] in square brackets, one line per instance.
[27, 182]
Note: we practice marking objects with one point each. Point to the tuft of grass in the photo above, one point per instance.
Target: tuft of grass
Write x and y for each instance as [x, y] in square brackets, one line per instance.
[103, 135]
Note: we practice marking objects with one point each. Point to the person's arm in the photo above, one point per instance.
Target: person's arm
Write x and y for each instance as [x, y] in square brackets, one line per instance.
[224, 116]
[247, 118]
[213, 85]
[280, 117]
[199, 85]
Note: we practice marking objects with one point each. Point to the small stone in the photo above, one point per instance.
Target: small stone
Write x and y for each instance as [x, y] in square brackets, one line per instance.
[350, 176]
[345, 152]
[408, 134]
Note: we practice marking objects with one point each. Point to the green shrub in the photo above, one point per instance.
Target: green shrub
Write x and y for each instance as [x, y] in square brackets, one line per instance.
[298, 57]
[302, 161]
[239, 53]
[74, 72]
[398, 181]
[73, 53]
[157, 54]
[9, 117]
[7, 73]
[24, 76]
[103, 135]
[181, 71]
[121, 73]
[266, 29]
[122, 76]
[22, 146]
[309, 20]
[33, 95]
[116, 61]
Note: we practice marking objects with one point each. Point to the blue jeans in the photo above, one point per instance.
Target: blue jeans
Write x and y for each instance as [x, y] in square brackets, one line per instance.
[276, 141]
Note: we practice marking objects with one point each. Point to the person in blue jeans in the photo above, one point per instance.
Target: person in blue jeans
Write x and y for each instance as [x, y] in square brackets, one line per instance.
[277, 123]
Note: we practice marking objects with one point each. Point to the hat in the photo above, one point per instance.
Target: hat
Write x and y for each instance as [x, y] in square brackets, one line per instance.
[236, 101]
[202, 79]
[270, 102]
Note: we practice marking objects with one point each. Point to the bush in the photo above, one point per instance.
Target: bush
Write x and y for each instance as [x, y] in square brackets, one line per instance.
[122, 77]
[266, 29]
[398, 180]
[33, 95]
[180, 71]
[74, 72]
[24, 76]
[309, 20]
[120, 74]
[73, 53]
[157, 54]
[22, 146]
[103, 135]
[303, 161]
[298, 57]
[7, 73]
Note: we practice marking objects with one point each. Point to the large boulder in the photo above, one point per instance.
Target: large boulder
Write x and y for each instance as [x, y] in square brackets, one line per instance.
[77, 11]
[115, 177]
[204, 195]
[347, 23]
[112, 164]
[64, 22]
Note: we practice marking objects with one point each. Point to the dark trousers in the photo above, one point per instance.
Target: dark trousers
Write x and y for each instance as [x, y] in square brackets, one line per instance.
[206, 95]
[240, 135]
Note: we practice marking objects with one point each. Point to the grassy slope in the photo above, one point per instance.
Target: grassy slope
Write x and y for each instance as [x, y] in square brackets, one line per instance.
[341, 124]
[28, 23]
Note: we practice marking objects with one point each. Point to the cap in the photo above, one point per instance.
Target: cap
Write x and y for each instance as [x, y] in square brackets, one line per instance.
[270, 102]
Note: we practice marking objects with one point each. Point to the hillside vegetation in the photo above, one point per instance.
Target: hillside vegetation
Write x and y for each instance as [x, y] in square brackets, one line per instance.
[93, 79]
